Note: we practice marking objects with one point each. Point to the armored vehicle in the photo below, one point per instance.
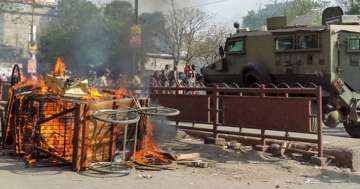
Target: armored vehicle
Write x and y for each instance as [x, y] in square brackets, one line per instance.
[299, 56]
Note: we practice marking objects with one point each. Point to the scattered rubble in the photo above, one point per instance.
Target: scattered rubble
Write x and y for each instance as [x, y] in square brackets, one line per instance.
[198, 163]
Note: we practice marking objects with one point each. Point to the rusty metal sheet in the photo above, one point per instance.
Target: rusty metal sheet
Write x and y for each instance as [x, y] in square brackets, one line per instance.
[270, 113]
[193, 108]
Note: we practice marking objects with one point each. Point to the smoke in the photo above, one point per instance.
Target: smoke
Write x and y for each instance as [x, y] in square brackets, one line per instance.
[164, 5]
[158, 5]
[163, 131]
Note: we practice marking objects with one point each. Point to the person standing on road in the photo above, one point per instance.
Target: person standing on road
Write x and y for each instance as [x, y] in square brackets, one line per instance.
[187, 69]
[165, 76]
[155, 80]
[192, 80]
[193, 69]
[103, 80]
[174, 78]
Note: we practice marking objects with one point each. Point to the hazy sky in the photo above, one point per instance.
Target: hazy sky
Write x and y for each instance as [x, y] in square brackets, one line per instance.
[226, 11]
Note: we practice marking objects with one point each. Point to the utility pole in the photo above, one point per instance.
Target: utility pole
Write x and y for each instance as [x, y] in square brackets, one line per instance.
[136, 12]
[175, 47]
[32, 63]
[32, 40]
[135, 40]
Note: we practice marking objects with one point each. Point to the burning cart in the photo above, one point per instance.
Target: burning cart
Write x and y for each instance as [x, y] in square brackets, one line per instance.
[60, 121]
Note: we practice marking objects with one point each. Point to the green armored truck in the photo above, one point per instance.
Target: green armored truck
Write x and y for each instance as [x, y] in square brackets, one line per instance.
[299, 56]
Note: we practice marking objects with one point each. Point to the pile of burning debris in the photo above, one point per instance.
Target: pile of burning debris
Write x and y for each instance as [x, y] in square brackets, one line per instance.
[59, 120]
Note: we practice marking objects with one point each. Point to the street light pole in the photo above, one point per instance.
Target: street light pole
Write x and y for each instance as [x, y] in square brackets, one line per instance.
[136, 12]
[32, 43]
[32, 23]
[135, 66]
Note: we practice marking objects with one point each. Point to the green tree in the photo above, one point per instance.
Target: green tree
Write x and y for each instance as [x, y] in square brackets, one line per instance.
[206, 50]
[154, 32]
[84, 34]
[184, 28]
[353, 7]
[75, 34]
[118, 21]
[292, 9]
[256, 19]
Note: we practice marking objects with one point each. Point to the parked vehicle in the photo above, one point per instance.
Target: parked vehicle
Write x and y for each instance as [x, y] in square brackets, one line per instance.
[299, 56]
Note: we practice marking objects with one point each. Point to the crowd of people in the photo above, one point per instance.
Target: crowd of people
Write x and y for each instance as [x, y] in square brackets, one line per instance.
[189, 77]
[106, 80]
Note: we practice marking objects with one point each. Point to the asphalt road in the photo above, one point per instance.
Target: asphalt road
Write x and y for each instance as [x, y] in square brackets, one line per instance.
[234, 170]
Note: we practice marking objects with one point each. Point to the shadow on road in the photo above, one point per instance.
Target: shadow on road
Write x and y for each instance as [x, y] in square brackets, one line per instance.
[332, 176]
[17, 166]
[337, 131]
[213, 152]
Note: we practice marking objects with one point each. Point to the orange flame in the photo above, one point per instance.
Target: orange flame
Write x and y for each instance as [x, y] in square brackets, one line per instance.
[121, 93]
[149, 152]
[59, 69]
[53, 131]
[94, 93]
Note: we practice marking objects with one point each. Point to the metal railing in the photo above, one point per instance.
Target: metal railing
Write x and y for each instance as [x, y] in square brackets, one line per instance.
[287, 110]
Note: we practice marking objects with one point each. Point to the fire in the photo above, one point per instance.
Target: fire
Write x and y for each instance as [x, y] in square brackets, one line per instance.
[149, 152]
[36, 84]
[57, 133]
[121, 93]
[59, 69]
[94, 93]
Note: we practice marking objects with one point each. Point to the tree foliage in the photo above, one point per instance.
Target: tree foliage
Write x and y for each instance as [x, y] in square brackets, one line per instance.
[292, 9]
[76, 34]
[206, 50]
[185, 28]
[353, 7]
[154, 35]
[84, 34]
[256, 19]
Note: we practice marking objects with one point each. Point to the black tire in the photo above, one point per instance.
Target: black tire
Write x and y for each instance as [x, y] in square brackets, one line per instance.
[353, 129]
[251, 77]
[15, 75]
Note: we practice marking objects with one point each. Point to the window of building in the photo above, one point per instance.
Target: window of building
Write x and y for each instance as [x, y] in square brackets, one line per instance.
[308, 41]
[285, 43]
[236, 46]
[354, 44]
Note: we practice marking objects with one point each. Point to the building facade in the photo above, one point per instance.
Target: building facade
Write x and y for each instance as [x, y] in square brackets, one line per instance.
[15, 26]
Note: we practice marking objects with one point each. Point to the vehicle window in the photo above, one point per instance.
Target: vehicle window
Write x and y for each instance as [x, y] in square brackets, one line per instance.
[236, 46]
[285, 43]
[354, 44]
[308, 41]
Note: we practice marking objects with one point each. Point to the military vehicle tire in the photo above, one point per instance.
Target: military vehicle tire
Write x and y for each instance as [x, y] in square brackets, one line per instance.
[353, 129]
[251, 77]
[255, 73]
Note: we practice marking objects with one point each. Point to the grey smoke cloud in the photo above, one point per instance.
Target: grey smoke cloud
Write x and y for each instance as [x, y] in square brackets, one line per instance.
[159, 5]
[226, 11]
